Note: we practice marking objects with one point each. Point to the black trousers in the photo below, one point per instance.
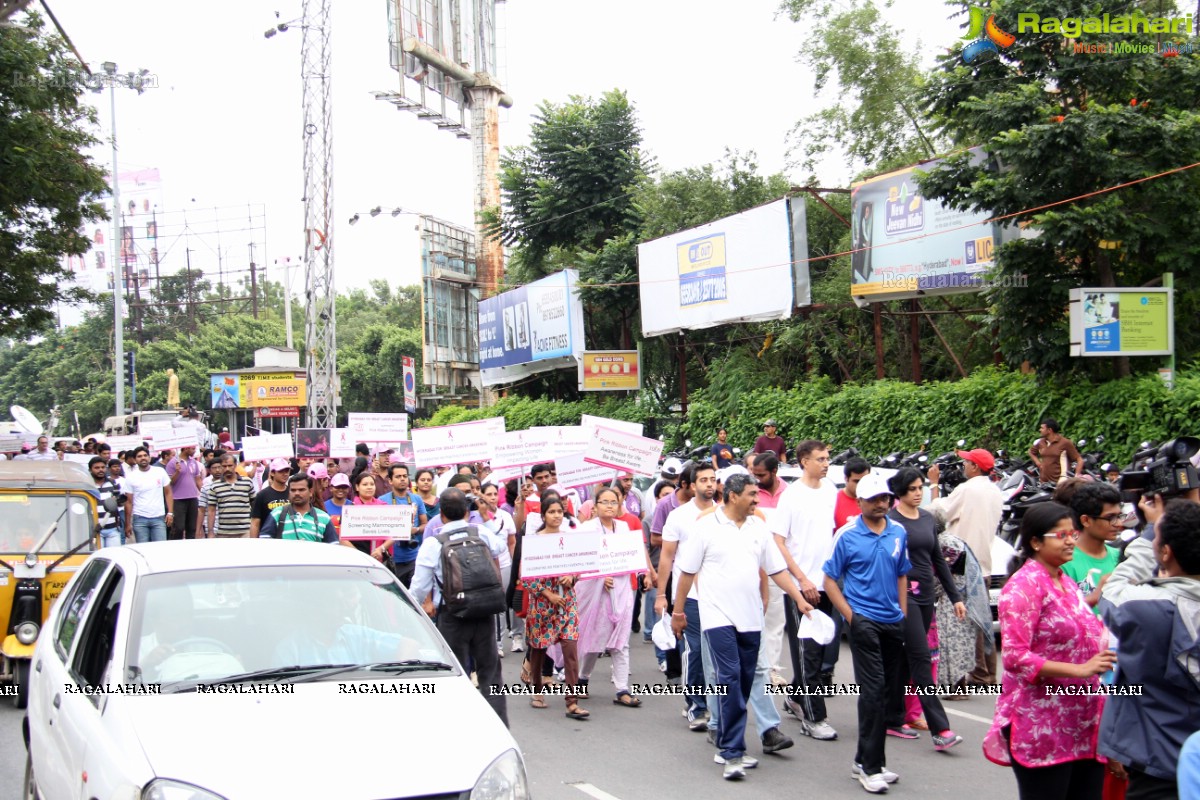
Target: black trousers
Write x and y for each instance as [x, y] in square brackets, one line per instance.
[183, 525]
[877, 648]
[807, 659]
[404, 571]
[1143, 786]
[917, 667]
[474, 642]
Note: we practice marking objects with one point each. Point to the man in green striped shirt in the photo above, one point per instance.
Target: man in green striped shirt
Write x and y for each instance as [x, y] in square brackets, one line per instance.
[299, 520]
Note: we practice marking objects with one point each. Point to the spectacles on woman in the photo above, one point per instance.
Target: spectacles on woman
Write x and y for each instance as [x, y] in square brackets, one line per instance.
[607, 503]
[1063, 535]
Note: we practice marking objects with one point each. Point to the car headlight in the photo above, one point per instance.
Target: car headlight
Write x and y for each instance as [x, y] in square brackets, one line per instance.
[504, 779]
[164, 789]
[27, 632]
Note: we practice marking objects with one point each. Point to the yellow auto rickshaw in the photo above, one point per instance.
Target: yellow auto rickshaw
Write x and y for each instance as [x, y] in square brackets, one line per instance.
[48, 528]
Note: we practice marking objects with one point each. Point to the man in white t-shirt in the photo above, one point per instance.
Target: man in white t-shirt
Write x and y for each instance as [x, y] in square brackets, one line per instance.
[803, 528]
[733, 553]
[153, 505]
[702, 479]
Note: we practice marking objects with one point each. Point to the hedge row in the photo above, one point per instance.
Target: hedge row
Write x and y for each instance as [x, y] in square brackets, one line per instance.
[993, 408]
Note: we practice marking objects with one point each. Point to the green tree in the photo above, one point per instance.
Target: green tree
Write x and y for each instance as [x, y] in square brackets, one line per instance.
[50, 188]
[372, 368]
[1064, 127]
[876, 120]
[572, 186]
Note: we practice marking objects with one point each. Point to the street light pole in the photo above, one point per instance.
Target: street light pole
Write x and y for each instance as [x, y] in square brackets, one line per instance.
[118, 283]
[137, 81]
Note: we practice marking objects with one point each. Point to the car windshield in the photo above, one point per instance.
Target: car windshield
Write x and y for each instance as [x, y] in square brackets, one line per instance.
[25, 518]
[209, 625]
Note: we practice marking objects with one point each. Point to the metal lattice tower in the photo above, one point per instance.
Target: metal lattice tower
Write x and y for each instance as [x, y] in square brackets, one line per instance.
[320, 326]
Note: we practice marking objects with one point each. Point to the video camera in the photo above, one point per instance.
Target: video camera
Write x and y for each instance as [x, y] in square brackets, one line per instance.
[1166, 471]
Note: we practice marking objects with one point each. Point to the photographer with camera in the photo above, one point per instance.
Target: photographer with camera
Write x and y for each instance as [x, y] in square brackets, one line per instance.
[972, 513]
[1151, 603]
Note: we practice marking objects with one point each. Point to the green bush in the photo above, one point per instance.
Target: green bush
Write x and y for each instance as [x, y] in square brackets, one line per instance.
[993, 408]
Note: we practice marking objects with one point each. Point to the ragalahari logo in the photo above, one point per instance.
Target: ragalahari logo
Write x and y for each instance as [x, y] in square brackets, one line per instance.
[984, 35]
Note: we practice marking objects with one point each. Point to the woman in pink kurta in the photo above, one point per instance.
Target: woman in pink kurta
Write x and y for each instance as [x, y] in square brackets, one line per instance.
[1052, 642]
[606, 606]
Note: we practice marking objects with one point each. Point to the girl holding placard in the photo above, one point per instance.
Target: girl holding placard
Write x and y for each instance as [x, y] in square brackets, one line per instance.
[553, 614]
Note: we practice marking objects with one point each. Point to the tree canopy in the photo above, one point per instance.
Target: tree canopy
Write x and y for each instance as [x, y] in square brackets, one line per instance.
[50, 187]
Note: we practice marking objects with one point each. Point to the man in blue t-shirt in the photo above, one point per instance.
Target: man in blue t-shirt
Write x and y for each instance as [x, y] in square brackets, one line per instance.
[404, 553]
[722, 453]
[870, 556]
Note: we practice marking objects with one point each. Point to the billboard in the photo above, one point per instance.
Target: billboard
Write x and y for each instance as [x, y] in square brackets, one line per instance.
[610, 370]
[258, 389]
[530, 329]
[1122, 322]
[906, 245]
[748, 267]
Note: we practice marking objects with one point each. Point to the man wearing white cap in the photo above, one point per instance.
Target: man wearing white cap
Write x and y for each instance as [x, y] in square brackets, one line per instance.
[870, 556]
[670, 472]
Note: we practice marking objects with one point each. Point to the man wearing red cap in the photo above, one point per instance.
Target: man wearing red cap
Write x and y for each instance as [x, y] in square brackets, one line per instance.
[972, 513]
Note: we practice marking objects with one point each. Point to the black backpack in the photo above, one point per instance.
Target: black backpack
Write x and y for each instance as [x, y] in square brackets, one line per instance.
[470, 582]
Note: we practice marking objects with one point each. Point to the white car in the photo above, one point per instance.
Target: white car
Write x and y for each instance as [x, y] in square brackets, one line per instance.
[223, 670]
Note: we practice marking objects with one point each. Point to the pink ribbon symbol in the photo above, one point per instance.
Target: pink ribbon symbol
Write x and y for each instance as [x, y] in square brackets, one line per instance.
[560, 543]
[604, 543]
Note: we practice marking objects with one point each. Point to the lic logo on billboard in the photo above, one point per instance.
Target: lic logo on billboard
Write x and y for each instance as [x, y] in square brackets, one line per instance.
[701, 251]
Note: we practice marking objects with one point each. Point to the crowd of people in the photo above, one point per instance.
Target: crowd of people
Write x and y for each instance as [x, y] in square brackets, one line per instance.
[738, 560]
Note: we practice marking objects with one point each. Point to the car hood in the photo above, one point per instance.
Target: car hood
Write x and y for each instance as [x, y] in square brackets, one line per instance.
[322, 741]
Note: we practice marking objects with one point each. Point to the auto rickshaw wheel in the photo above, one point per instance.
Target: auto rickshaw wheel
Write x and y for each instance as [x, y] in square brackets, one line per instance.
[21, 681]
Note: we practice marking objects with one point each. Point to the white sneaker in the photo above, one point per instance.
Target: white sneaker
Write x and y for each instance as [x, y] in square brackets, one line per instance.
[818, 730]
[749, 762]
[518, 643]
[888, 775]
[875, 784]
[736, 770]
[500, 649]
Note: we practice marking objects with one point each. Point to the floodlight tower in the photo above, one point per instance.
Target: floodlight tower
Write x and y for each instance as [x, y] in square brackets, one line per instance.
[320, 325]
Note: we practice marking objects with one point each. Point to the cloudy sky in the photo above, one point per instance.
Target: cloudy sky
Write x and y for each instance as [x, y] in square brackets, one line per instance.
[223, 126]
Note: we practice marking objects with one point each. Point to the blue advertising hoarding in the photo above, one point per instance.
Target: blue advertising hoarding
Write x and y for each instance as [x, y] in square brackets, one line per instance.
[530, 329]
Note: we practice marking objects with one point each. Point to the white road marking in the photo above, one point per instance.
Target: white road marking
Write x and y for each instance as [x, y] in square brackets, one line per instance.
[976, 717]
[592, 791]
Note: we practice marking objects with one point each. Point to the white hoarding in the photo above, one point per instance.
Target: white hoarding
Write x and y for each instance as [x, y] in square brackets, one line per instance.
[747, 267]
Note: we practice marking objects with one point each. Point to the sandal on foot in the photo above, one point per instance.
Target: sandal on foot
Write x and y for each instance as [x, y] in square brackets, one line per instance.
[627, 700]
[526, 678]
[575, 712]
[538, 702]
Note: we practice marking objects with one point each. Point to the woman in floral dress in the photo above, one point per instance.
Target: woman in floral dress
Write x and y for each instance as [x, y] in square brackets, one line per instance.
[1052, 642]
[553, 615]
